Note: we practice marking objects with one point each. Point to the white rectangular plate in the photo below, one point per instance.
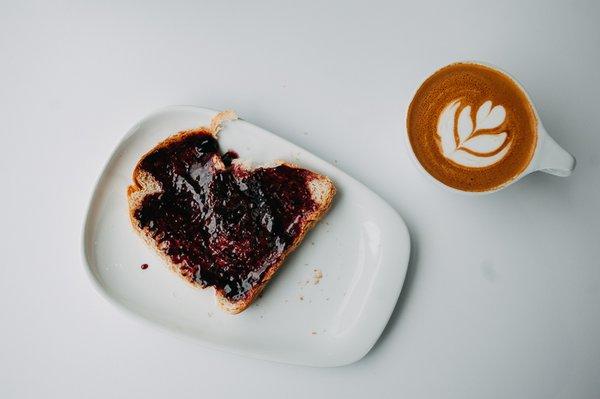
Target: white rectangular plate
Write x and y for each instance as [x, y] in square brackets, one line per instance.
[361, 248]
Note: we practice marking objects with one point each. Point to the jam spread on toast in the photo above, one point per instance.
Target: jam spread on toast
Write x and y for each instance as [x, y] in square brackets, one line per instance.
[224, 226]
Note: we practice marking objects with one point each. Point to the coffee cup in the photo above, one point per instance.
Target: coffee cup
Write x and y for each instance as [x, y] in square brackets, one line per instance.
[473, 128]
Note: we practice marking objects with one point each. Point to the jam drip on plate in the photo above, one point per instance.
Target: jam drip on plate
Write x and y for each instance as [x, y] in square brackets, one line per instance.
[224, 225]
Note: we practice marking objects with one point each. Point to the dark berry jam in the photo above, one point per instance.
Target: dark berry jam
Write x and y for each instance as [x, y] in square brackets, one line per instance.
[229, 156]
[224, 226]
[144, 266]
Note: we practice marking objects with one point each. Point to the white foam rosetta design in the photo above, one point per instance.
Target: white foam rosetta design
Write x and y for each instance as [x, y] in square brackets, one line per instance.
[469, 147]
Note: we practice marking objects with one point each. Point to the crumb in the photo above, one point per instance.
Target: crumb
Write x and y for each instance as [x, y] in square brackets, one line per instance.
[327, 298]
[144, 266]
[317, 276]
[312, 243]
[314, 333]
[285, 301]
[261, 316]
[301, 297]
[303, 284]
[335, 161]
[210, 314]
[305, 133]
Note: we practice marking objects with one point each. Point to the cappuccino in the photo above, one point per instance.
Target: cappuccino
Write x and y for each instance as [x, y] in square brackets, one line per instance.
[472, 127]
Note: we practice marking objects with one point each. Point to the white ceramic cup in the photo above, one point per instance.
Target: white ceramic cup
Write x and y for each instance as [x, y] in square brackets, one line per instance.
[548, 156]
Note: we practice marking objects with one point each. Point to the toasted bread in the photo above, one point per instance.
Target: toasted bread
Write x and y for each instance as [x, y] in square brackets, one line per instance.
[272, 226]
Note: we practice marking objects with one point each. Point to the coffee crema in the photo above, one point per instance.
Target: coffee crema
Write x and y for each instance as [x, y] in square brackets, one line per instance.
[472, 127]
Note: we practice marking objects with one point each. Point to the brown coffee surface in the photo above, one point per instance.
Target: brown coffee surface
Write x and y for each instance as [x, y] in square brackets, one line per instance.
[467, 84]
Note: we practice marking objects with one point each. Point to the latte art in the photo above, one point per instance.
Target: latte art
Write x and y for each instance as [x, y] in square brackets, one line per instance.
[474, 144]
[471, 127]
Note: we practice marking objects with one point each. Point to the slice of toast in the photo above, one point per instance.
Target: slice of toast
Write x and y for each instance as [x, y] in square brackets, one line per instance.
[215, 221]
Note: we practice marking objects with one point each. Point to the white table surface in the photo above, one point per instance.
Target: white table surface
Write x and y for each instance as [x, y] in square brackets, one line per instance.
[502, 297]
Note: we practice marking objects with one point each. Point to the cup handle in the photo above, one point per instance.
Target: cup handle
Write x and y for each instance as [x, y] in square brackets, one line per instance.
[553, 158]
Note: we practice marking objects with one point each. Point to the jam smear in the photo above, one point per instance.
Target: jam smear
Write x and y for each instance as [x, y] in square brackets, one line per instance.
[229, 156]
[224, 226]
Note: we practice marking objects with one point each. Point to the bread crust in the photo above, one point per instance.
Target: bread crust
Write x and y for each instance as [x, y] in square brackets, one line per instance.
[322, 191]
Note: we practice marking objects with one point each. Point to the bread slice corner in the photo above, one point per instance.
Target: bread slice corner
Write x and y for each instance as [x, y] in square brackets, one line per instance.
[322, 190]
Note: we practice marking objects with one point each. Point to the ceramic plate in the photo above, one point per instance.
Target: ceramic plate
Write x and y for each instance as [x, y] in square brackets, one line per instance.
[361, 248]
